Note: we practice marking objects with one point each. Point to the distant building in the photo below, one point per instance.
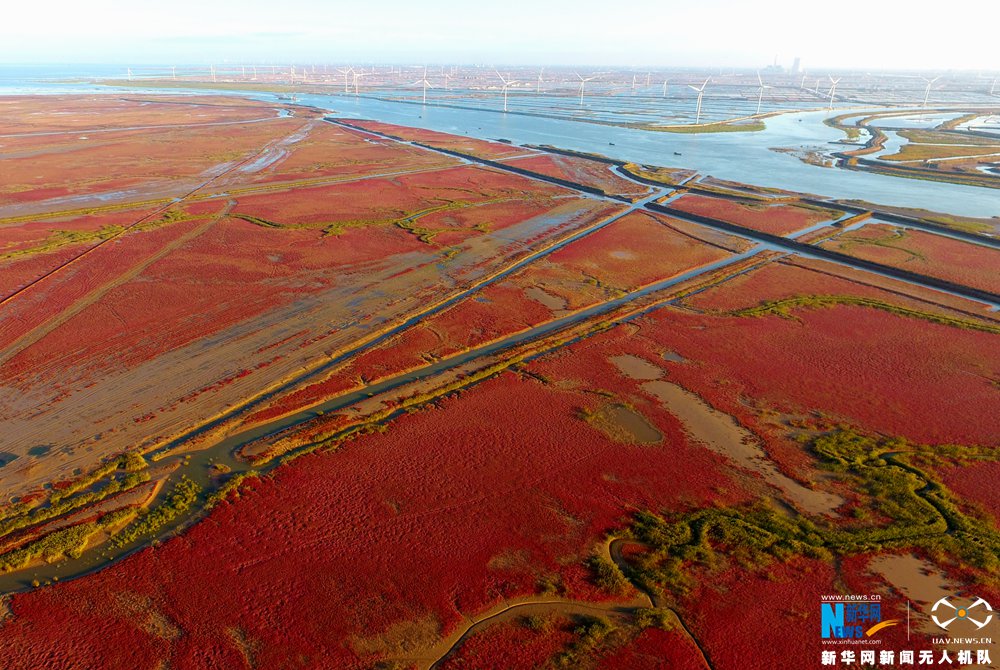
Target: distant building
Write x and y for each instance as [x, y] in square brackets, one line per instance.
[797, 65]
[774, 68]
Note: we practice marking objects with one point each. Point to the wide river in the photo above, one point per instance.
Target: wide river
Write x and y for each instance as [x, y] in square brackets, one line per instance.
[744, 157]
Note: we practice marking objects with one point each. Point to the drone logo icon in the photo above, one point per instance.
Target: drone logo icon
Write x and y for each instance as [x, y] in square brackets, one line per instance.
[960, 613]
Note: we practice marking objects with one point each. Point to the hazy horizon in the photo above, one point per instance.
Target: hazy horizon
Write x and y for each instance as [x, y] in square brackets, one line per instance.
[560, 33]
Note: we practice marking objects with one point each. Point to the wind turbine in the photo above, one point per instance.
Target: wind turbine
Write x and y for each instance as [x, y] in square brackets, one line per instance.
[173, 72]
[927, 91]
[583, 83]
[447, 81]
[344, 71]
[760, 92]
[506, 84]
[357, 77]
[701, 92]
[665, 87]
[633, 84]
[255, 73]
[833, 88]
[649, 76]
[993, 87]
[426, 84]
[212, 68]
[803, 84]
[129, 73]
[538, 86]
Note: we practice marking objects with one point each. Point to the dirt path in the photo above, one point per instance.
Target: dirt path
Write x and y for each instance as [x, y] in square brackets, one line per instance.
[434, 657]
[612, 550]
[509, 610]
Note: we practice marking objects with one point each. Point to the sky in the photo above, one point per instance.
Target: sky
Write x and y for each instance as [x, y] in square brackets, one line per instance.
[653, 33]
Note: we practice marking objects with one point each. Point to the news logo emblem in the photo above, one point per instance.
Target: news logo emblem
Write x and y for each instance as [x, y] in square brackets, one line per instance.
[852, 620]
[951, 613]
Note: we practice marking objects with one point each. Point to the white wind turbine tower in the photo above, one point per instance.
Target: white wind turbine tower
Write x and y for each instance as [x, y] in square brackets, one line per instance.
[345, 71]
[447, 81]
[927, 91]
[760, 93]
[357, 77]
[173, 72]
[426, 85]
[649, 76]
[833, 88]
[993, 87]
[583, 83]
[701, 92]
[665, 81]
[538, 84]
[633, 84]
[255, 73]
[212, 68]
[244, 75]
[129, 73]
[506, 84]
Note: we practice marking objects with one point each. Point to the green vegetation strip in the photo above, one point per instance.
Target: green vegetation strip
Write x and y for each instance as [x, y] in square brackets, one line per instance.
[407, 222]
[229, 488]
[936, 137]
[69, 542]
[59, 239]
[26, 514]
[784, 306]
[335, 228]
[899, 507]
[181, 498]
[64, 238]
[845, 242]
[590, 636]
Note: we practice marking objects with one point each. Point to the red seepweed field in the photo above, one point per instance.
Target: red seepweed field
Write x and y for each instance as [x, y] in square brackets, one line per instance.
[582, 171]
[278, 392]
[964, 263]
[777, 219]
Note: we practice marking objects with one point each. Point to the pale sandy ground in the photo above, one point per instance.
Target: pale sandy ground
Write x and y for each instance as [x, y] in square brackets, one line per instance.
[722, 434]
[923, 584]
